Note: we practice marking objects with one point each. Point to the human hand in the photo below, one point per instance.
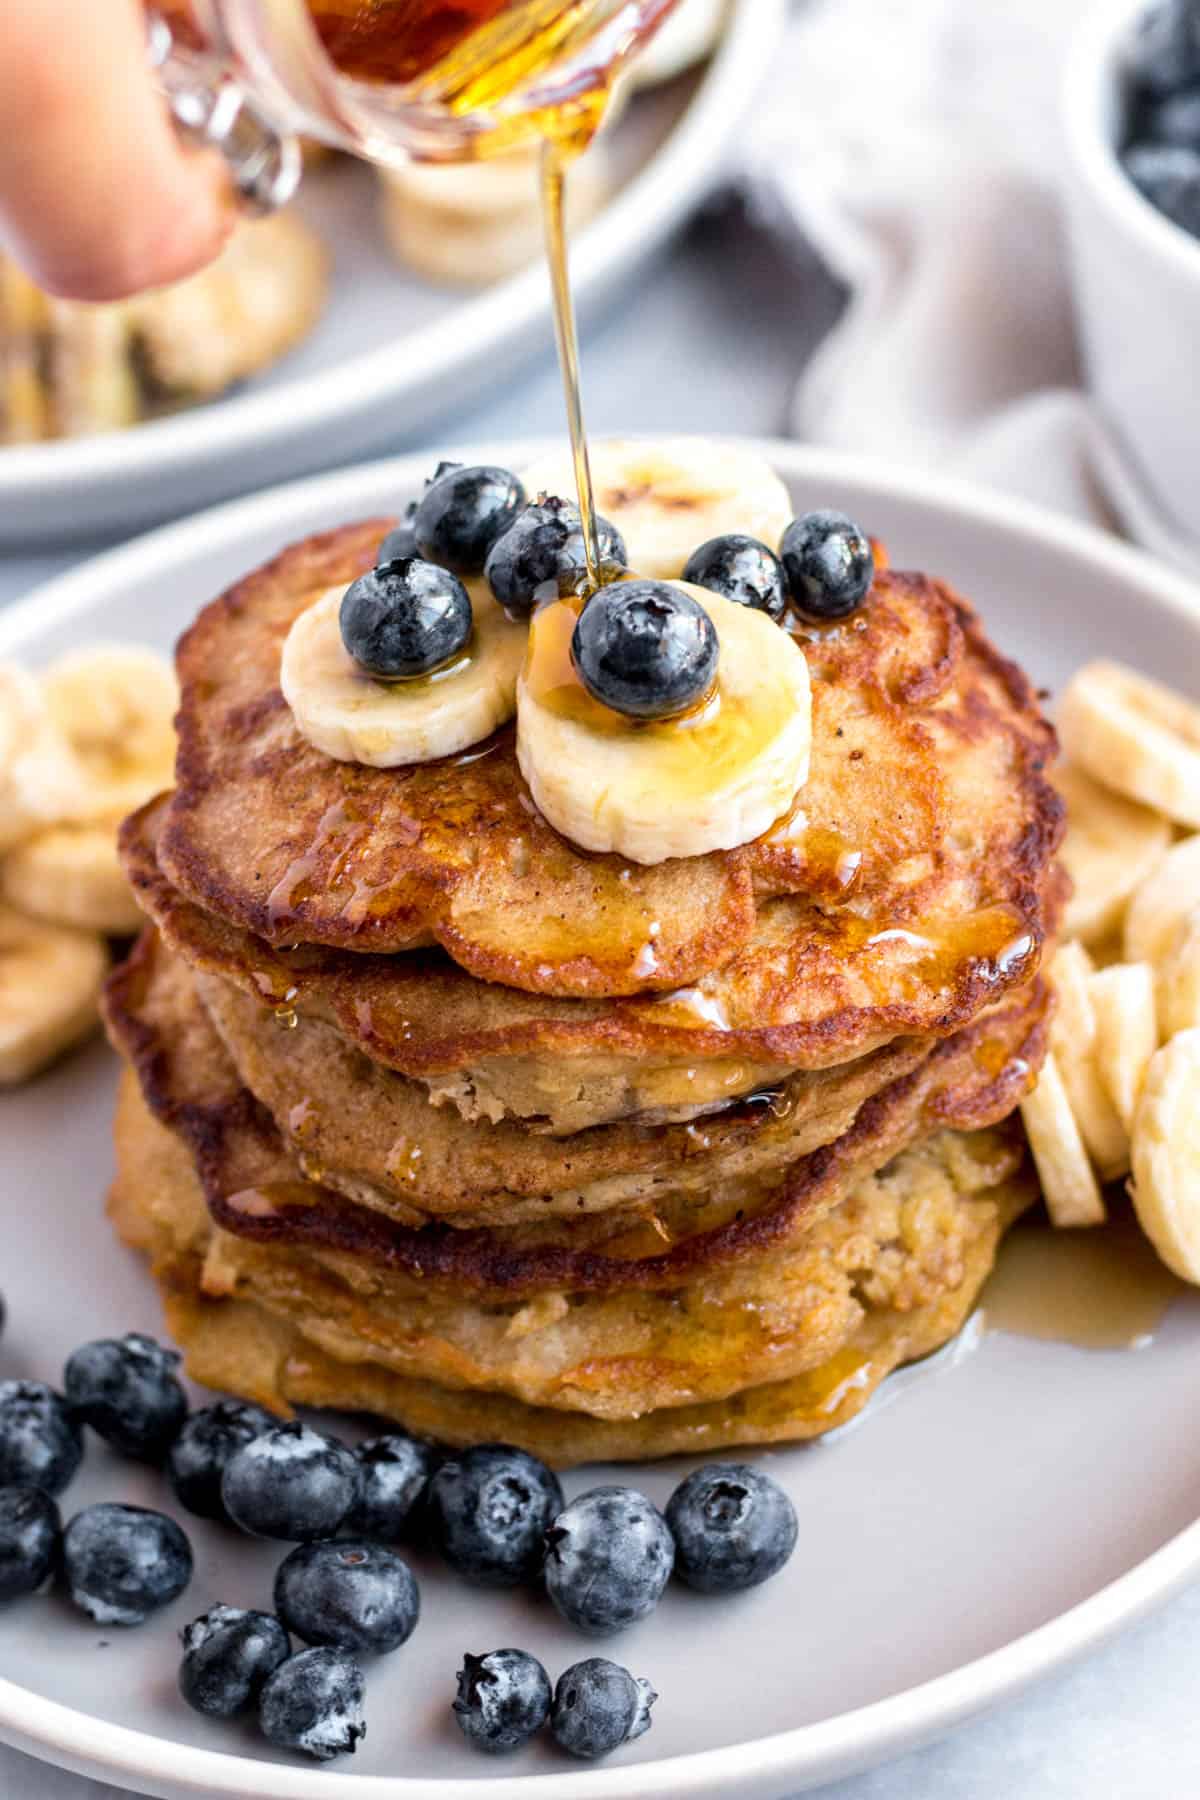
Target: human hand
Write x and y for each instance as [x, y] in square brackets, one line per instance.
[98, 197]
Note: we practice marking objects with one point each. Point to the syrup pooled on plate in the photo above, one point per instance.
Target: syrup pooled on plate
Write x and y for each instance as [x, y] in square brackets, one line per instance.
[1098, 1289]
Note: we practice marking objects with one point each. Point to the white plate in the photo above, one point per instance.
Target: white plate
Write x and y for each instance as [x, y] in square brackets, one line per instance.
[393, 352]
[992, 1517]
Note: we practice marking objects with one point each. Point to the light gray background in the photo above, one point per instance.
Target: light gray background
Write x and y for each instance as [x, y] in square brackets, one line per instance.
[711, 340]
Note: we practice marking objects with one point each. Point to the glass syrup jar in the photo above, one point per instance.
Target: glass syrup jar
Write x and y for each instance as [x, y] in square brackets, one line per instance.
[390, 80]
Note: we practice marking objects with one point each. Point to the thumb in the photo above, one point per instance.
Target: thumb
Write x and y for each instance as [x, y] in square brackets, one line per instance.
[98, 198]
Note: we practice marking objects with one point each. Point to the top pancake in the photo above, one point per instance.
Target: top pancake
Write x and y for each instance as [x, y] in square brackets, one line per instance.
[926, 810]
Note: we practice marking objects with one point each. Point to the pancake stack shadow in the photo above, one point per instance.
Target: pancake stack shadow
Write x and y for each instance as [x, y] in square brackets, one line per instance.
[431, 1115]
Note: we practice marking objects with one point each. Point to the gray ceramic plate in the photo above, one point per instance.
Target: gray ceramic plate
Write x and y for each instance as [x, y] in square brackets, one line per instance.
[992, 1516]
[393, 351]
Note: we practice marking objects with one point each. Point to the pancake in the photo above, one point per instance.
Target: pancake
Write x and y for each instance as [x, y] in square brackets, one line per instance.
[791, 1000]
[242, 1347]
[926, 815]
[255, 1190]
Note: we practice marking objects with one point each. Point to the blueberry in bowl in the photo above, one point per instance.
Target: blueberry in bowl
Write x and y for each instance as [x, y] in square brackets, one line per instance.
[396, 1470]
[503, 1698]
[30, 1540]
[41, 1444]
[209, 1438]
[609, 1555]
[487, 1510]
[126, 1389]
[291, 1483]
[598, 1706]
[313, 1704]
[733, 1528]
[355, 1595]
[122, 1563]
[229, 1654]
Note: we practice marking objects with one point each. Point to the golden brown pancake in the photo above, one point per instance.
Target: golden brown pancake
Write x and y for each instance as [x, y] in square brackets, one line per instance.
[791, 1000]
[255, 1190]
[243, 1346]
[926, 816]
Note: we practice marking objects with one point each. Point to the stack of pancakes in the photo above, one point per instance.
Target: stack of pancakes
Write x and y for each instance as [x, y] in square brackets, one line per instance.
[433, 1115]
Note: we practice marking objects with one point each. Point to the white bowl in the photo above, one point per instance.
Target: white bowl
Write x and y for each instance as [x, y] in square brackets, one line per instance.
[1137, 281]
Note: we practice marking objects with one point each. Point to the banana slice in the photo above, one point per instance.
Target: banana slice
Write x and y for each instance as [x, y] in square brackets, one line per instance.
[355, 718]
[1135, 735]
[1166, 1155]
[50, 980]
[1179, 981]
[1162, 903]
[115, 705]
[668, 497]
[474, 223]
[1111, 846]
[40, 778]
[1069, 1185]
[1126, 1017]
[1073, 1042]
[72, 875]
[678, 787]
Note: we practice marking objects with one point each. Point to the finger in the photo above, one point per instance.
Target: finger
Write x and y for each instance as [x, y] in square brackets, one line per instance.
[97, 196]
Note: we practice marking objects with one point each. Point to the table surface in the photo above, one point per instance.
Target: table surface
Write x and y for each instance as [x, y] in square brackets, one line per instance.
[675, 355]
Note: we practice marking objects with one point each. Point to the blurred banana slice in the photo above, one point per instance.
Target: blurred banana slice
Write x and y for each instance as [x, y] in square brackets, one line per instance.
[1073, 1043]
[1111, 846]
[1163, 902]
[1126, 1016]
[474, 223]
[115, 706]
[1166, 1154]
[72, 875]
[1135, 735]
[50, 980]
[668, 496]
[675, 787]
[1179, 981]
[351, 716]
[1069, 1186]
[689, 34]
[40, 778]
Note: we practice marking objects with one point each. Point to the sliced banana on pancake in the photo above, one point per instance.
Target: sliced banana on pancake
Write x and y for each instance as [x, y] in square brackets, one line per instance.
[1069, 1186]
[1126, 1016]
[1162, 903]
[1179, 981]
[115, 706]
[666, 497]
[1166, 1155]
[354, 717]
[1135, 735]
[50, 980]
[1111, 846]
[674, 787]
[1073, 1042]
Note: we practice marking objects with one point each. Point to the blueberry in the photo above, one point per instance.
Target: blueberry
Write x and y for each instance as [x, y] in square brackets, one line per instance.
[405, 618]
[463, 511]
[354, 1595]
[488, 1509]
[314, 1703]
[598, 1706]
[125, 1389]
[196, 1460]
[41, 1444]
[121, 1563]
[1165, 51]
[228, 1653]
[542, 553]
[1168, 176]
[733, 1527]
[645, 649]
[829, 564]
[503, 1698]
[608, 1559]
[291, 1483]
[401, 541]
[741, 569]
[395, 1470]
[30, 1540]
[1176, 120]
